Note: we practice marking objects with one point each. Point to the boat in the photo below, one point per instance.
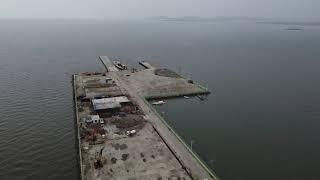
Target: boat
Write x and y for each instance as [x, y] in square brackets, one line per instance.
[186, 97]
[119, 65]
[158, 103]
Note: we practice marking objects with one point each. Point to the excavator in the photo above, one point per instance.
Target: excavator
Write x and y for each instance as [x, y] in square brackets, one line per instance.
[98, 159]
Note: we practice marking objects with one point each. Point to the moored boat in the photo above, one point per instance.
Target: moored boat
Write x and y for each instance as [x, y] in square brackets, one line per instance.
[158, 103]
[119, 65]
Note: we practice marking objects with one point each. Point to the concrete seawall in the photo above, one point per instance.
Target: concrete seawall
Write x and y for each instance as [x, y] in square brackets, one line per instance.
[174, 95]
[78, 140]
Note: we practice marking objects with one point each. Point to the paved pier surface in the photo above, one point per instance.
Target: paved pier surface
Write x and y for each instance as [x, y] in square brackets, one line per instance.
[166, 84]
[157, 83]
[108, 64]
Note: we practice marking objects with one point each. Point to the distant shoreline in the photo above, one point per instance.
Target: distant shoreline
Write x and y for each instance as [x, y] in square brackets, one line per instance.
[294, 23]
[225, 18]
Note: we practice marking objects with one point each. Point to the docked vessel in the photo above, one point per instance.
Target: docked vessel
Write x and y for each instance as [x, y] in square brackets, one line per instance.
[158, 103]
[119, 65]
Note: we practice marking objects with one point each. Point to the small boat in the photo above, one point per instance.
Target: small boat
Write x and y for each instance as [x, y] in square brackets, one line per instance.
[186, 97]
[158, 103]
[119, 65]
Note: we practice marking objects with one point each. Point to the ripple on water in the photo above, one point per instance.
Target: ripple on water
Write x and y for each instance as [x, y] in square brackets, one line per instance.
[36, 127]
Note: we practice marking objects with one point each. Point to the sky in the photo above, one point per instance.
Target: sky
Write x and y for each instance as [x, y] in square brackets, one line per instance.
[135, 9]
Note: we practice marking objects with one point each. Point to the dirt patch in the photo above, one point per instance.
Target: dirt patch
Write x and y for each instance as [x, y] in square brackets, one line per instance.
[123, 146]
[119, 146]
[128, 122]
[113, 160]
[124, 157]
[161, 152]
[166, 73]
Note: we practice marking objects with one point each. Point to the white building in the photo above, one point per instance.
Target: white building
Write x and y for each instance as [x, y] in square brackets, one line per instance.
[94, 119]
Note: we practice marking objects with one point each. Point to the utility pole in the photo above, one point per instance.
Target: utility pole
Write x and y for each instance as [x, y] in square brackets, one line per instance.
[191, 143]
[163, 114]
[211, 163]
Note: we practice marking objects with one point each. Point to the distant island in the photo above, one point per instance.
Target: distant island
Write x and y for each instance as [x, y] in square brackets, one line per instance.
[205, 19]
[294, 29]
[288, 22]
[292, 23]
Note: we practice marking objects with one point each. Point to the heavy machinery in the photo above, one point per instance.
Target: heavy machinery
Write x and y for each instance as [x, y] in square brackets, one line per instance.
[98, 159]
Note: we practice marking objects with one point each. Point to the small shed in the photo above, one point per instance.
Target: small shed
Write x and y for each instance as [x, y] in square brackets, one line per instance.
[94, 119]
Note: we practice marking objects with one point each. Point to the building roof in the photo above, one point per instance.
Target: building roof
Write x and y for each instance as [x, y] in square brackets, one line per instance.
[109, 103]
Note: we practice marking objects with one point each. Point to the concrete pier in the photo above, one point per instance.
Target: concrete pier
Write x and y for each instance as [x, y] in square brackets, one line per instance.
[108, 64]
[170, 156]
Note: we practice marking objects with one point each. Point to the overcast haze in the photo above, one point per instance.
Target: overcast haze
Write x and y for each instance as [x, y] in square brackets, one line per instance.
[125, 9]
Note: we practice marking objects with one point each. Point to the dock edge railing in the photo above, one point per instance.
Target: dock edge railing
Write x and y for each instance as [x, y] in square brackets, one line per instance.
[77, 125]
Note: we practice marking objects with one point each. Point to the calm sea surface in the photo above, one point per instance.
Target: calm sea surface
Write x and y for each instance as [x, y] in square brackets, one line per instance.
[262, 120]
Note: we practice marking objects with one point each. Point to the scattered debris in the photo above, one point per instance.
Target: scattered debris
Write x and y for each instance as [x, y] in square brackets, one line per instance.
[128, 122]
[131, 133]
[190, 81]
[119, 146]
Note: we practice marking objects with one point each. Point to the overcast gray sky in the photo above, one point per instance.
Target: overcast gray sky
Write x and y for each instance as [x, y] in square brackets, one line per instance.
[123, 9]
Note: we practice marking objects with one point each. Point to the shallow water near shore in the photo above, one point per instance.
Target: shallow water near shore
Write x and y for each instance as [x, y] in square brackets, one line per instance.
[261, 121]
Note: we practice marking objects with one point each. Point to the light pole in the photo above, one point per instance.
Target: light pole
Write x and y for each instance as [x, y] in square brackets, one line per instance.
[191, 143]
[211, 163]
[163, 114]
